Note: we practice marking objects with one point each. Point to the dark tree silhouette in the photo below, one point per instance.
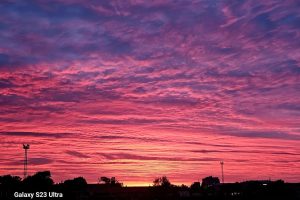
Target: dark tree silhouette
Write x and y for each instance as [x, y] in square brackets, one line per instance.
[110, 181]
[40, 179]
[184, 186]
[196, 186]
[162, 182]
[10, 181]
[105, 180]
[210, 181]
[76, 183]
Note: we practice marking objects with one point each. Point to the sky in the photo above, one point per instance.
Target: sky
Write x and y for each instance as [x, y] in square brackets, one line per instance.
[141, 89]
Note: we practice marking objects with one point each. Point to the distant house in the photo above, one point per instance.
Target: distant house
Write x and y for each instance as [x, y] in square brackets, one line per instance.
[210, 181]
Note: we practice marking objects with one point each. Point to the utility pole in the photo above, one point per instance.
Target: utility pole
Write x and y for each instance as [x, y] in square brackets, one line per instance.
[25, 147]
[222, 163]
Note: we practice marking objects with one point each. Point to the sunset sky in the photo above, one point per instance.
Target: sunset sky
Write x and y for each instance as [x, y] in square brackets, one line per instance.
[141, 89]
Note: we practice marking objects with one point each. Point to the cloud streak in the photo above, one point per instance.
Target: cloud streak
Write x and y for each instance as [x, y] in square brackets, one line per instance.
[36, 134]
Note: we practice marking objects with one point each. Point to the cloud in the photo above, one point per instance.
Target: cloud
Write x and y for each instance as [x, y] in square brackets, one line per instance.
[120, 137]
[4, 60]
[33, 161]
[36, 134]
[132, 121]
[262, 134]
[77, 154]
[6, 83]
[289, 106]
[263, 151]
[40, 161]
[126, 156]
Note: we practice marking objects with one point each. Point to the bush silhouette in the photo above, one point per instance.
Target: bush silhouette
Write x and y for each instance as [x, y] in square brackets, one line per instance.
[162, 182]
[10, 181]
[110, 181]
[75, 184]
[196, 186]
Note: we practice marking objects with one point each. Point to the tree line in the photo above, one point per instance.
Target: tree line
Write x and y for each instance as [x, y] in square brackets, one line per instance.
[43, 179]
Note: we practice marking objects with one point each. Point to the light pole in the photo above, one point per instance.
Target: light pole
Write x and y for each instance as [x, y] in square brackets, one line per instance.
[222, 163]
[25, 147]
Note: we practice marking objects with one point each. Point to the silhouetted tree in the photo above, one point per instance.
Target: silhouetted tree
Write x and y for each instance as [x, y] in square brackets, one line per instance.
[182, 186]
[76, 183]
[105, 179]
[40, 179]
[162, 182]
[195, 186]
[113, 181]
[210, 181]
[110, 181]
[10, 181]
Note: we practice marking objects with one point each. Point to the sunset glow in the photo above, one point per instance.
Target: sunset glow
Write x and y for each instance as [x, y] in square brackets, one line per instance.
[138, 90]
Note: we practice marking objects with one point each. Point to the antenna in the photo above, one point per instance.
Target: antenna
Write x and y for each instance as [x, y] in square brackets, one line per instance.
[25, 147]
[222, 163]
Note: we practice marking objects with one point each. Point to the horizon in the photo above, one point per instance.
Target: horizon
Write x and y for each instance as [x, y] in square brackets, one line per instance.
[143, 184]
[137, 89]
